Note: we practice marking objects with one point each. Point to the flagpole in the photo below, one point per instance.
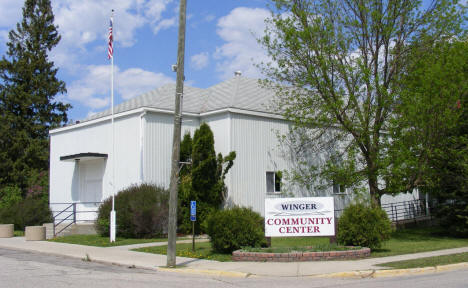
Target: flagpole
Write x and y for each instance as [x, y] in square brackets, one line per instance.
[112, 216]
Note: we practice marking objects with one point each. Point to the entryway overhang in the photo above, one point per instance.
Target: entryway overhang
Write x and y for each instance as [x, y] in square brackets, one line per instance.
[83, 157]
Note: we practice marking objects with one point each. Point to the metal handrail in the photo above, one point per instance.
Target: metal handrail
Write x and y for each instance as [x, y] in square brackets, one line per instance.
[64, 210]
[71, 223]
[73, 214]
[404, 211]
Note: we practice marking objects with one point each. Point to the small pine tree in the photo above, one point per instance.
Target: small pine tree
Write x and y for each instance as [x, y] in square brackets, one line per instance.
[204, 166]
[186, 154]
[204, 180]
[28, 88]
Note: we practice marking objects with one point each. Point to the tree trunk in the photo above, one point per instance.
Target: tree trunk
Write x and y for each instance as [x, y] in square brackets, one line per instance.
[374, 191]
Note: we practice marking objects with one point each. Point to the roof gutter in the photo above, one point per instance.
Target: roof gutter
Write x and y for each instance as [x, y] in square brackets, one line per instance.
[164, 111]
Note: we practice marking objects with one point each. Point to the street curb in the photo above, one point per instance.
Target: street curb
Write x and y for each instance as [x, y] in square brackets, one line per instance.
[219, 273]
[371, 273]
[393, 272]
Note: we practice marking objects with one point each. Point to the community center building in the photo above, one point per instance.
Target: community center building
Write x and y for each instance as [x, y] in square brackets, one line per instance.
[237, 110]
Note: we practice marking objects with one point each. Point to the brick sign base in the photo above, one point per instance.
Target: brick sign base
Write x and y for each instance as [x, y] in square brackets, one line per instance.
[300, 256]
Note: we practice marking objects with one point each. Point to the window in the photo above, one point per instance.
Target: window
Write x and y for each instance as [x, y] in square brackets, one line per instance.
[339, 188]
[273, 182]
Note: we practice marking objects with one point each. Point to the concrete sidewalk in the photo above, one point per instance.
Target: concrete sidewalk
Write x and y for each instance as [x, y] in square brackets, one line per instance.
[122, 256]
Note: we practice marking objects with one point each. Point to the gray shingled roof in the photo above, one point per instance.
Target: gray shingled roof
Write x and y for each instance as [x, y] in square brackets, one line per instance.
[238, 92]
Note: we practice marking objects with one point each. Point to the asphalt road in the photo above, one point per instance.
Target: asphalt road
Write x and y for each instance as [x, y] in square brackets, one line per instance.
[26, 269]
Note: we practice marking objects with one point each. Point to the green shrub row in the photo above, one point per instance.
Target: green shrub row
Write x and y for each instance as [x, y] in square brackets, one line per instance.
[141, 211]
[234, 228]
[363, 225]
[30, 211]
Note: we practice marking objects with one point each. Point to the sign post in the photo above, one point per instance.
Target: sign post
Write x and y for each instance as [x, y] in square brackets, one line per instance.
[193, 218]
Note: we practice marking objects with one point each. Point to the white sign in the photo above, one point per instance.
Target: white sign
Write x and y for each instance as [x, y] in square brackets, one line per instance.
[288, 217]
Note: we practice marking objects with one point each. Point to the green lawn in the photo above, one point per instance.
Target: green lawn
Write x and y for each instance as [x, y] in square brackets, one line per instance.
[299, 241]
[100, 241]
[18, 233]
[418, 240]
[402, 242]
[202, 251]
[428, 262]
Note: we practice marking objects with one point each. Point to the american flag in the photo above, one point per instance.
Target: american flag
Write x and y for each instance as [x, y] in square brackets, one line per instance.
[110, 49]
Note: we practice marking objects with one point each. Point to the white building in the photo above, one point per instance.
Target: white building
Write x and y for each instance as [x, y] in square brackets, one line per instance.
[81, 160]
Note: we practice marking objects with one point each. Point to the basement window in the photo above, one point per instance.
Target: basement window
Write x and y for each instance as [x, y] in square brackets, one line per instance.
[273, 181]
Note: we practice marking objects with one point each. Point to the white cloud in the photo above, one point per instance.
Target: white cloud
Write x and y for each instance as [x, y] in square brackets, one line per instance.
[10, 12]
[135, 81]
[209, 18]
[84, 25]
[153, 12]
[3, 36]
[199, 61]
[85, 21]
[154, 8]
[239, 29]
[165, 24]
[93, 90]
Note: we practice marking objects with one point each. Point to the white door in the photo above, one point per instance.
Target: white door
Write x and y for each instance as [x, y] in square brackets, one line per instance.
[91, 174]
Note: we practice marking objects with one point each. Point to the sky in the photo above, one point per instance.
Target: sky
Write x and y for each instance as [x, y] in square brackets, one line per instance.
[220, 39]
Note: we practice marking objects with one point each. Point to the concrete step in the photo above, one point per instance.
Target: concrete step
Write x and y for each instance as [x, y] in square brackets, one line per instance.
[74, 229]
[83, 229]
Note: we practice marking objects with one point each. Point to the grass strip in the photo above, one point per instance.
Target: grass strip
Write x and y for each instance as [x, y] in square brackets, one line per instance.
[428, 262]
[405, 241]
[415, 240]
[202, 251]
[100, 241]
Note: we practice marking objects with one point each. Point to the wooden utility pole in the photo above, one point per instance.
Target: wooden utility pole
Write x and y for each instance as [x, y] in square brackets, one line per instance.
[171, 245]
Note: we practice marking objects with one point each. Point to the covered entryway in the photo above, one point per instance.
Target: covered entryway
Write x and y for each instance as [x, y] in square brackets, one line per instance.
[87, 177]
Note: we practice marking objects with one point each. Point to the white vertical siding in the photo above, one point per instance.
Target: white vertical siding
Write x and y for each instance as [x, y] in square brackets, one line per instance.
[256, 143]
[157, 146]
[220, 124]
[143, 148]
[97, 138]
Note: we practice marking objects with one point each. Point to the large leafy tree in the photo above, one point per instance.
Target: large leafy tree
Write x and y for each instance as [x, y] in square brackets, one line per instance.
[429, 118]
[430, 130]
[449, 177]
[346, 60]
[28, 91]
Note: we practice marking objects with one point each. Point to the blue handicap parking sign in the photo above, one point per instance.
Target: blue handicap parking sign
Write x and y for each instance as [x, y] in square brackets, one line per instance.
[193, 208]
[193, 218]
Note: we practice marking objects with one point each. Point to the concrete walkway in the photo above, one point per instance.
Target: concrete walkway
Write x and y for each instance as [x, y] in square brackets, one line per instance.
[152, 244]
[121, 255]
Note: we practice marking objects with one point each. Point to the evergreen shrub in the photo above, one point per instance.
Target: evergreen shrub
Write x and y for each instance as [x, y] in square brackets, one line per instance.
[362, 225]
[9, 195]
[30, 211]
[234, 228]
[141, 212]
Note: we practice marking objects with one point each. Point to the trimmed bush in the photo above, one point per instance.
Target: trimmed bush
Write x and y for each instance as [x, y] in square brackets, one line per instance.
[365, 226]
[234, 228]
[28, 212]
[10, 195]
[141, 211]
